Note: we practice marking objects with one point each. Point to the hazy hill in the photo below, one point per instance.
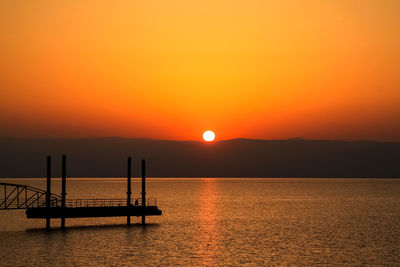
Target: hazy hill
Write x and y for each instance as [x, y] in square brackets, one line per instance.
[106, 157]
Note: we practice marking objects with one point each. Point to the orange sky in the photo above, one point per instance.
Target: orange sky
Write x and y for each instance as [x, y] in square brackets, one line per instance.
[326, 69]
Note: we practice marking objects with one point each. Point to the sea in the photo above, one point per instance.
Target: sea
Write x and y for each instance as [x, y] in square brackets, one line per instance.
[217, 222]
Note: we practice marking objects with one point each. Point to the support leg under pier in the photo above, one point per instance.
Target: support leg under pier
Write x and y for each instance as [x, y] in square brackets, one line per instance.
[48, 192]
[143, 191]
[129, 189]
[63, 186]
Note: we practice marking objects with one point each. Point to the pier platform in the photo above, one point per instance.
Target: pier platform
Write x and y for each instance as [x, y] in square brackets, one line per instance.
[41, 204]
[86, 212]
[85, 208]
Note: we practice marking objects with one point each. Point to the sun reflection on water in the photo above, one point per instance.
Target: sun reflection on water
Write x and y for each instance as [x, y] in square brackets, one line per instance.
[208, 217]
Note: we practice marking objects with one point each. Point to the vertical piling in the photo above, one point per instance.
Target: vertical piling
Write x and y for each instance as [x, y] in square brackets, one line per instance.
[63, 186]
[143, 191]
[129, 189]
[48, 192]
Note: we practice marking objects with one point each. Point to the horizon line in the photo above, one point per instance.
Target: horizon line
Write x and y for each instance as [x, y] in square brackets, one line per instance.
[198, 141]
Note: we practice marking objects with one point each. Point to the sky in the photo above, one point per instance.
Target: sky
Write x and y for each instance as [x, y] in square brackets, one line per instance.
[317, 69]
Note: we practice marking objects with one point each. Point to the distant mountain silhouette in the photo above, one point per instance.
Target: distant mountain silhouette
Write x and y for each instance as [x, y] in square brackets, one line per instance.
[106, 157]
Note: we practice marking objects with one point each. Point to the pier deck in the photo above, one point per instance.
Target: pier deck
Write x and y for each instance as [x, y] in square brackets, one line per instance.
[81, 208]
[82, 212]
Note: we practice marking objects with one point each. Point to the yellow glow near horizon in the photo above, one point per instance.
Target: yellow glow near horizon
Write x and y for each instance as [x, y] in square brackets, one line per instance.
[166, 69]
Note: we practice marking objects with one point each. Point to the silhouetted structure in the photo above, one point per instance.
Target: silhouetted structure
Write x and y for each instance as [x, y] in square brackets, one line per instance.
[48, 191]
[129, 189]
[17, 196]
[44, 204]
[143, 191]
[63, 186]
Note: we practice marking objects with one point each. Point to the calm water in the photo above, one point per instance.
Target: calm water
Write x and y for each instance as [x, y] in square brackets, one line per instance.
[219, 222]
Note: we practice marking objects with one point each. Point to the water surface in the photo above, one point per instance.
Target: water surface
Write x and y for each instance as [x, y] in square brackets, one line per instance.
[218, 222]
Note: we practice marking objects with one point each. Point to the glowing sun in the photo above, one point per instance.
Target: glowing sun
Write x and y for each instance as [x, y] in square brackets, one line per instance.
[208, 136]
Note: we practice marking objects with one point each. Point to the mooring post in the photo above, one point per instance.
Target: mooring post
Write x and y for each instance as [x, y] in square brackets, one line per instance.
[143, 191]
[48, 193]
[63, 187]
[129, 189]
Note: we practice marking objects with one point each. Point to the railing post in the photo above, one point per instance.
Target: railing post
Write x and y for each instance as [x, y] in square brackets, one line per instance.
[129, 190]
[143, 191]
[48, 193]
[63, 187]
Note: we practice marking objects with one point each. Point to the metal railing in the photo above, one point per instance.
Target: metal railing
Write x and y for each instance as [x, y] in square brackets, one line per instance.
[73, 203]
[79, 203]
[14, 196]
[149, 202]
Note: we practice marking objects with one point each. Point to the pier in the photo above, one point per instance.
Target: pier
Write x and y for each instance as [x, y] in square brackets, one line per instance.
[40, 204]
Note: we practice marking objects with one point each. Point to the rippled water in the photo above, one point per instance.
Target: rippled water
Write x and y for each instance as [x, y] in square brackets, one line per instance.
[219, 222]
